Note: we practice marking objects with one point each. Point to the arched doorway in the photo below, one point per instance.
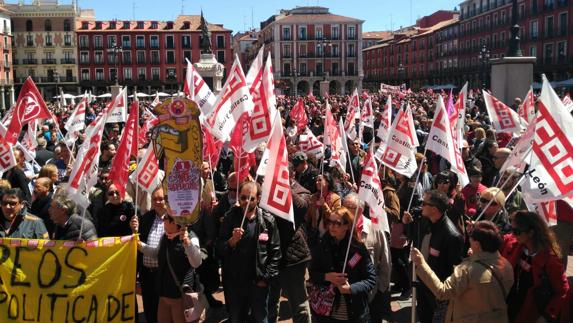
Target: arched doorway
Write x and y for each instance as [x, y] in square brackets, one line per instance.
[349, 86]
[334, 87]
[302, 88]
[316, 88]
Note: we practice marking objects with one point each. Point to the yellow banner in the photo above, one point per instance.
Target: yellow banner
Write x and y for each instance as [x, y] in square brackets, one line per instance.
[68, 281]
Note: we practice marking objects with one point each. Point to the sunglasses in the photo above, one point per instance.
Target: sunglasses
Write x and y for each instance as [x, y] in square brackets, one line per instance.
[112, 193]
[9, 203]
[246, 198]
[336, 223]
[486, 201]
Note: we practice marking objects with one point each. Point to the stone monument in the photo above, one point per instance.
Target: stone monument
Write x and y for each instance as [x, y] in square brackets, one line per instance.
[210, 70]
[512, 75]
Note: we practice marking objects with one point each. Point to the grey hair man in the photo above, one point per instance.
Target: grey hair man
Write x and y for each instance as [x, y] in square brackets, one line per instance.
[69, 225]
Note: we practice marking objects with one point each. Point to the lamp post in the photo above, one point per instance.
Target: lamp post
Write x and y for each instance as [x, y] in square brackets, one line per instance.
[514, 49]
[294, 76]
[116, 49]
[57, 81]
[483, 57]
[323, 44]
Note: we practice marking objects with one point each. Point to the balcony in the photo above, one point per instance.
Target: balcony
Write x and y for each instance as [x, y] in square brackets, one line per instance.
[84, 61]
[30, 44]
[170, 46]
[141, 61]
[29, 61]
[154, 46]
[67, 61]
[68, 44]
[156, 62]
[140, 46]
[49, 61]
[84, 46]
[98, 46]
[126, 46]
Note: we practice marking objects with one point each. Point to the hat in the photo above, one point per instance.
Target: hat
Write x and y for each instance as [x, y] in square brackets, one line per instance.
[298, 158]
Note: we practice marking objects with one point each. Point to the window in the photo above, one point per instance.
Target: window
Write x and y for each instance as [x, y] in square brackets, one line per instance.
[221, 56]
[171, 74]
[85, 25]
[220, 41]
[140, 57]
[561, 51]
[302, 32]
[286, 51]
[286, 33]
[98, 25]
[67, 25]
[318, 32]
[84, 41]
[153, 25]
[352, 51]
[113, 74]
[351, 32]
[49, 40]
[85, 74]
[111, 57]
[126, 57]
[29, 40]
[548, 54]
[302, 69]
[533, 51]
[155, 73]
[29, 25]
[549, 26]
[154, 42]
[140, 42]
[187, 55]
[98, 42]
[534, 29]
[186, 25]
[126, 42]
[286, 69]
[169, 43]
[84, 57]
[67, 40]
[335, 69]
[335, 32]
[351, 70]
[99, 74]
[127, 73]
[170, 57]
[155, 57]
[563, 24]
[141, 73]
[98, 57]
[47, 25]
[111, 41]
[186, 41]
[140, 25]
[319, 69]
[126, 25]
[319, 50]
[112, 25]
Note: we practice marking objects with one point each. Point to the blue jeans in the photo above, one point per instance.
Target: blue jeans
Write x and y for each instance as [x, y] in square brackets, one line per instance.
[243, 299]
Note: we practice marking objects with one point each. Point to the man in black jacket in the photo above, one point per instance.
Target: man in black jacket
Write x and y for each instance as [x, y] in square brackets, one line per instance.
[305, 173]
[41, 199]
[69, 225]
[251, 253]
[442, 247]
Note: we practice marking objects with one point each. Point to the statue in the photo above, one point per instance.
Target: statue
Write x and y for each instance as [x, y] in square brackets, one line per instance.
[205, 36]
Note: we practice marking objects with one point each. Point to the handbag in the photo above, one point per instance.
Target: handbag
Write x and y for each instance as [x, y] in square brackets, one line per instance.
[320, 298]
[193, 304]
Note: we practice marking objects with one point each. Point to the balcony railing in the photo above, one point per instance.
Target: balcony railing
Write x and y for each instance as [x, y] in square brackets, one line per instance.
[29, 61]
[154, 46]
[49, 61]
[67, 61]
[84, 46]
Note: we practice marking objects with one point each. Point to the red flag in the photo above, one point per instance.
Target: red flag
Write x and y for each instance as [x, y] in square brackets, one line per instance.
[527, 109]
[29, 106]
[311, 96]
[211, 148]
[242, 159]
[150, 121]
[299, 115]
[119, 172]
[147, 172]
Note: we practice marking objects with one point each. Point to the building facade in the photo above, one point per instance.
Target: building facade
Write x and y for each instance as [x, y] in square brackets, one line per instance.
[45, 45]
[459, 51]
[310, 45]
[244, 45]
[148, 54]
[6, 64]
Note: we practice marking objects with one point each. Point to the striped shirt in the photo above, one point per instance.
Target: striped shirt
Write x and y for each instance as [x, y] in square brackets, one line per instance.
[155, 234]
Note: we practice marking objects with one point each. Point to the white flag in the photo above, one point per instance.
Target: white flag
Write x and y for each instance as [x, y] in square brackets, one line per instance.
[77, 121]
[7, 158]
[400, 153]
[520, 155]
[310, 144]
[147, 172]
[118, 107]
[502, 117]
[367, 114]
[527, 109]
[384, 128]
[333, 137]
[371, 193]
[233, 101]
[155, 101]
[550, 174]
[262, 89]
[352, 114]
[276, 195]
[199, 91]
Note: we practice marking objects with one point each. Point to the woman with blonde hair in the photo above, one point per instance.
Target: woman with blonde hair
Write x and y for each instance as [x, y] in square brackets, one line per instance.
[492, 203]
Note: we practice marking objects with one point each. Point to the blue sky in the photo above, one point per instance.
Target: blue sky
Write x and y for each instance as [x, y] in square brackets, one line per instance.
[236, 14]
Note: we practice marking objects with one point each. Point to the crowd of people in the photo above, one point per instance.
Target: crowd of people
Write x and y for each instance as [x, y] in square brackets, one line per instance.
[333, 264]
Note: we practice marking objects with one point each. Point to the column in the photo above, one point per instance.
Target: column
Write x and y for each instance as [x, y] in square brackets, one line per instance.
[12, 100]
[2, 94]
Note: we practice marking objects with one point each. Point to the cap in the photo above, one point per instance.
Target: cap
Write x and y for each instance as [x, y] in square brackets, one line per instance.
[298, 158]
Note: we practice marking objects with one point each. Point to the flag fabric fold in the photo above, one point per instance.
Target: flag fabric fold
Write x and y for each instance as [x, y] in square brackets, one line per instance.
[502, 117]
[370, 192]
[127, 148]
[400, 153]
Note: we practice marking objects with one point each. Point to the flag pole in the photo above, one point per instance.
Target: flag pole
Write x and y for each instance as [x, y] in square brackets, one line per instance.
[522, 176]
[82, 225]
[416, 182]
[136, 137]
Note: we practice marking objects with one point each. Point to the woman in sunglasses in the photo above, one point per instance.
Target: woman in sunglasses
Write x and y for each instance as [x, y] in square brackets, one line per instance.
[540, 287]
[352, 286]
[322, 203]
[492, 203]
[113, 219]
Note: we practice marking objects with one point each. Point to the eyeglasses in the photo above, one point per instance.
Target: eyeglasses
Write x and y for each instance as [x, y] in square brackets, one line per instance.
[336, 223]
[10, 203]
[486, 201]
[424, 203]
[246, 198]
[112, 193]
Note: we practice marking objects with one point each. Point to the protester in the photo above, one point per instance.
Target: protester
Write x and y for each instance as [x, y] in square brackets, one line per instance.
[322, 203]
[351, 285]
[491, 204]
[305, 173]
[477, 289]
[18, 178]
[113, 219]
[68, 224]
[16, 222]
[41, 199]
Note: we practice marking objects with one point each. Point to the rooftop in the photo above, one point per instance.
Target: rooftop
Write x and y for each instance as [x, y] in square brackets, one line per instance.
[183, 22]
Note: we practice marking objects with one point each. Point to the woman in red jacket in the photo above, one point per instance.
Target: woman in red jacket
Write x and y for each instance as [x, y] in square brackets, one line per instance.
[532, 250]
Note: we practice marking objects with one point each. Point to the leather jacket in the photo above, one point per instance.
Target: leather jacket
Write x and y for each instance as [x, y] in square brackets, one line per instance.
[268, 252]
[446, 247]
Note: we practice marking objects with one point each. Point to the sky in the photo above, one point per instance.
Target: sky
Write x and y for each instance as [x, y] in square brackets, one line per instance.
[240, 15]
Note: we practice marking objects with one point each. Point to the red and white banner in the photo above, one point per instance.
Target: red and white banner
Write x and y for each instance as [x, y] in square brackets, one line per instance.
[367, 114]
[85, 167]
[400, 153]
[502, 117]
[7, 158]
[118, 107]
[309, 144]
[276, 194]
[119, 172]
[155, 101]
[147, 172]
[385, 88]
[262, 89]
[568, 102]
[198, 90]
[233, 101]
[28, 144]
[149, 121]
[370, 192]
[298, 115]
[29, 106]
[441, 141]
[311, 96]
[352, 114]
[77, 120]
[520, 155]
[459, 124]
[384, 128]
[527, 108]
[333, 138]
[242, 160]
[550, 173]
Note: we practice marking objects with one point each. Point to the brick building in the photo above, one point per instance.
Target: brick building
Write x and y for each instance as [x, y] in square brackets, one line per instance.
[44, 45]
[310, 45]
[244, 45]
[147, 54]
[6, 66]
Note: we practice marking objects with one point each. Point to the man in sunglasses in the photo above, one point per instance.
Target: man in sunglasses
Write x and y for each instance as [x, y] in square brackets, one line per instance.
[250, 251]
[16, 222]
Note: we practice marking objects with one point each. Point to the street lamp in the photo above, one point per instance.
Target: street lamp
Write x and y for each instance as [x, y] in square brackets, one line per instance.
[514, 49]
[323, 44]
[56, 76]
[483, 57]
[294, 76]
[116, 50]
